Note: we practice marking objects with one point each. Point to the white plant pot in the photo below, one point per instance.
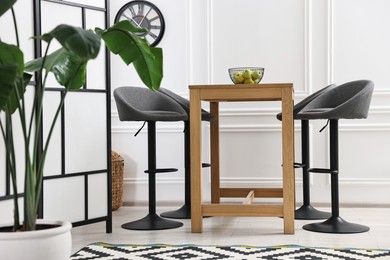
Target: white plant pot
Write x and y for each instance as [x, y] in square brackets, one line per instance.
[48, 244]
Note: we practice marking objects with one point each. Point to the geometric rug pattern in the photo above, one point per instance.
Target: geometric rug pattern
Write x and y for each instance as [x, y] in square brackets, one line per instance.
[104, 251]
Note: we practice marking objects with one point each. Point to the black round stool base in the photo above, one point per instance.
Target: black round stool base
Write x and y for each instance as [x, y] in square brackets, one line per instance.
[183, 213]
[152, 222]
[309, 212]
[336, 225]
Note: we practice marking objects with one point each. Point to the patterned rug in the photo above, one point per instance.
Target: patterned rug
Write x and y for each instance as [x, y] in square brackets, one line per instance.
[103, 251]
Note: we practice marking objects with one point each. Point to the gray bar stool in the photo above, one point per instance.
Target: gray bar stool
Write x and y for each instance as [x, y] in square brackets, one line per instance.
[142, 104]
[307, 211]
[348, 101]
[185, 211]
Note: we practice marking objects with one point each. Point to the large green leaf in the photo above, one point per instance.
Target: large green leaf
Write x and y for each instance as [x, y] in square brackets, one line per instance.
[147, 60]
[5, 5]
[11, 54]
[120, 39]
[84, 43]
[12, 77]
[68, 69]
[123, 25]
[151, 68]
[8, 74]
[21, 84]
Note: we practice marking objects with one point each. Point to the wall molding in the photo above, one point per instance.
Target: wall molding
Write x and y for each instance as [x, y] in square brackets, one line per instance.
[364, 181]
[251, 182]
[232, 112]
[308, 48]
[383, 127]
[253, 128]
[270, 111]
[330, 42]
[381, 92]
[226, 181]
[144, 181]
[262, 182]
[379, 109]
[159, 129]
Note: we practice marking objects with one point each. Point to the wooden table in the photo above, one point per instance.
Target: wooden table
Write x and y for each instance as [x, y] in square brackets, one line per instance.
[220, 93]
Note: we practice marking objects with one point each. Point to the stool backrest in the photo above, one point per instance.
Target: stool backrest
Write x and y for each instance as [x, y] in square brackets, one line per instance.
[349, 101]
[185, 103]
[299, 106]
[142, 104]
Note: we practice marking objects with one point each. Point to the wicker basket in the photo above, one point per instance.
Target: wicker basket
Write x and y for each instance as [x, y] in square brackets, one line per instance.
[117, 164]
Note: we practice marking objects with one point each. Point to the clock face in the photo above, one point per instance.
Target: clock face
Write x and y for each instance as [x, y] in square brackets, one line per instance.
[143, 14]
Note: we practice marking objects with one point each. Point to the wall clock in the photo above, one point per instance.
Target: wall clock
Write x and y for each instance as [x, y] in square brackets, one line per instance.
[143, 14]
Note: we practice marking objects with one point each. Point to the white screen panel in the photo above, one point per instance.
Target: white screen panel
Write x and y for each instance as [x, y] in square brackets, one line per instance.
[53, 158]
[96, 70]
[63, 15]
[64, 199]
[24, 18]
[7, 211]
[19, 145]
[85, 134]
[97, 195]
[95, 3]
[18, 137]
[2, 159]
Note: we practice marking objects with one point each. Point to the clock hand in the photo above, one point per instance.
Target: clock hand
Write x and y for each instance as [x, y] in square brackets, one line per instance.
[130, 18]
[145, 15]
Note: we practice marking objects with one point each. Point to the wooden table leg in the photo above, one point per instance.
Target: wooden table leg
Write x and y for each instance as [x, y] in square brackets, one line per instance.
[196, 165]
[288, 161]
[214, 156]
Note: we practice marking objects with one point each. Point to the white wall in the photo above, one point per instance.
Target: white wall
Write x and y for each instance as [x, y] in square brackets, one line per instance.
[310, 43]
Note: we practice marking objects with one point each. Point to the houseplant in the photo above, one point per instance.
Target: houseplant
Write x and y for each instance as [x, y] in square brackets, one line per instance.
[68, 64]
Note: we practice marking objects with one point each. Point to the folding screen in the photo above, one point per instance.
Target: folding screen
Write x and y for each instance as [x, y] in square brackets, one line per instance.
[77, 175]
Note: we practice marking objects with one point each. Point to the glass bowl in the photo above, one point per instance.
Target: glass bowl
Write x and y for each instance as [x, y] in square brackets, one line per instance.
[246, 75]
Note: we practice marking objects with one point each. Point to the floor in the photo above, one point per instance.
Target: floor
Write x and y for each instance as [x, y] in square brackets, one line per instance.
[254, 231]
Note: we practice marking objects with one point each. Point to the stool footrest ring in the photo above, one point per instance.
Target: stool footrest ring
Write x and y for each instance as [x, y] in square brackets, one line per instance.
[161, 170]
[299, 165]
[321, 170]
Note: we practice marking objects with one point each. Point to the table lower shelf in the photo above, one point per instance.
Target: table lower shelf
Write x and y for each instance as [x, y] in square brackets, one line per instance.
[253, 210]
[246, 208]
[258, 192]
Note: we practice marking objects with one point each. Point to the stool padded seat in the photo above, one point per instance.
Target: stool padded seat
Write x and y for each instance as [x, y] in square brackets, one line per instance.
[348, 101]
[142, 104]
[185, 104]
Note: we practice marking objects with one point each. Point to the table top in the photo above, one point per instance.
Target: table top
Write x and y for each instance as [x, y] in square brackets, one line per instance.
[242, 86]
[242, 92]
